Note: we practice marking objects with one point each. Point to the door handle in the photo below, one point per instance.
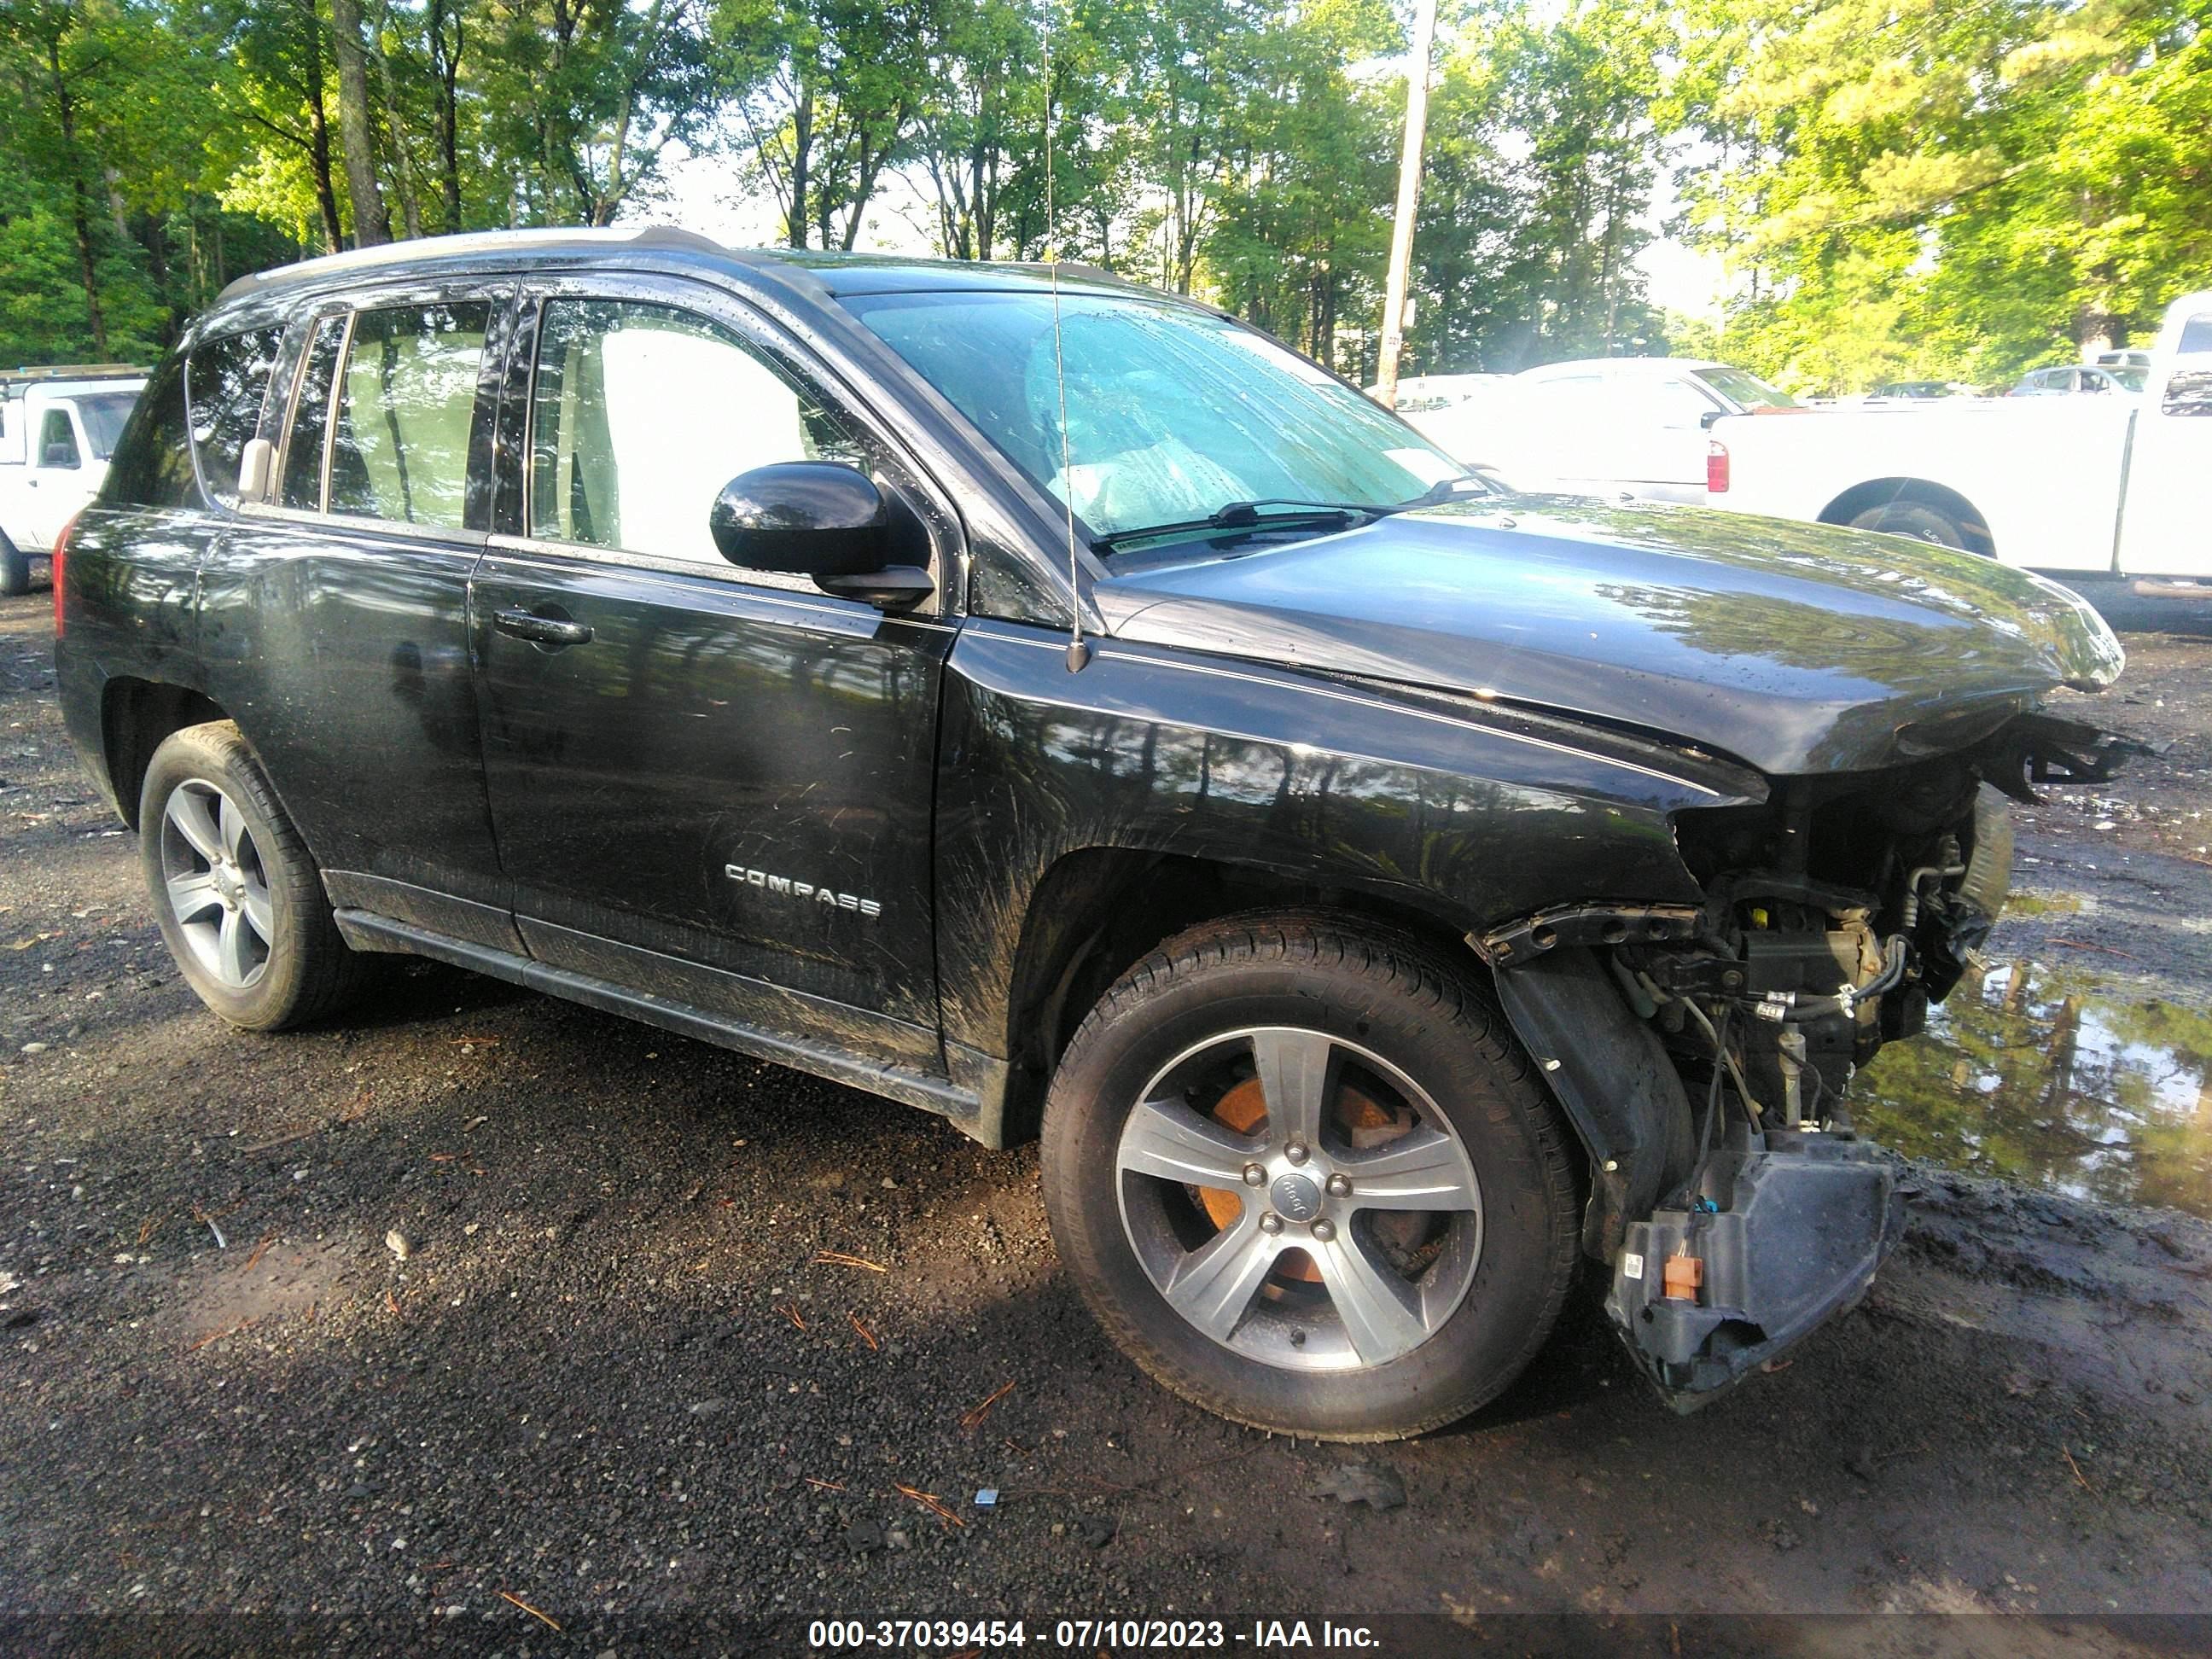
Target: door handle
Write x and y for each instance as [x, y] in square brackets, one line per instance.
[544, 630]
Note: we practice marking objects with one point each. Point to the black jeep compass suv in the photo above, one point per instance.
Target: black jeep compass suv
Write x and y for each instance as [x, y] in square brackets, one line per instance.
[1052, 704]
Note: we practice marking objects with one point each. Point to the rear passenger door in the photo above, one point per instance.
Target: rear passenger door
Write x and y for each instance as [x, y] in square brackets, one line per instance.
[334, 616]
[710, 784]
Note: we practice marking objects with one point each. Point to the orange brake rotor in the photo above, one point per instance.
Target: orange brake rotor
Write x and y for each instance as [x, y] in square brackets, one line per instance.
[1243, 1108]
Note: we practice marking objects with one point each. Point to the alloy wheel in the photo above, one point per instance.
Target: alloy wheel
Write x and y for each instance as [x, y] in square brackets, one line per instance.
[1299, 1200]
[216, 885]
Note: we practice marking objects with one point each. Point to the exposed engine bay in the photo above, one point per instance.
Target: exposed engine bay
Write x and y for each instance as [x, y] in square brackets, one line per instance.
[1737, 1206]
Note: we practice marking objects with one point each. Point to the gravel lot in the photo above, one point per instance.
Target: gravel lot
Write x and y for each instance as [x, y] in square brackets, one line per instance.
[611, 1379]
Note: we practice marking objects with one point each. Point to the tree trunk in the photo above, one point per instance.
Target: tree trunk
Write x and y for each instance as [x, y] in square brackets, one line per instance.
[448, 65]
[802, 143]
[410, 195]
[79, 198]
[371, 224]
[319, 136]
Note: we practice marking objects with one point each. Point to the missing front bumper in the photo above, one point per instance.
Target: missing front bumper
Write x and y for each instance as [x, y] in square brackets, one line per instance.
[1784, 1240]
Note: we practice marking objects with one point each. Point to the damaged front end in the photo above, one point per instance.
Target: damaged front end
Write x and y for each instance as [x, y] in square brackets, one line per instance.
[1704, 1052]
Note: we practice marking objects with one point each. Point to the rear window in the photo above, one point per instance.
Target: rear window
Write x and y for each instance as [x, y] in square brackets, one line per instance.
[225, 385]
[153, 465]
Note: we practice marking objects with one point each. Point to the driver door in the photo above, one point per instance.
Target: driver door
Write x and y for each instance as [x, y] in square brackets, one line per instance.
[709, 783]
[55, 475]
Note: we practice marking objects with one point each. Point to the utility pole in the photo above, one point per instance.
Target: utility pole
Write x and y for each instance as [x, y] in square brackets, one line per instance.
[1409, 201]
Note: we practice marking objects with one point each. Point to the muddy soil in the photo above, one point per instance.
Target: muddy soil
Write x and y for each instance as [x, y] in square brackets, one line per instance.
[611, 1379]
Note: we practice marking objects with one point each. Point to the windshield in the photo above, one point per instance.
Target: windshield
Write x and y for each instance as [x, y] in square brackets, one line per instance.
[1744, 389]
[1172, 413]
[2133, 379]
[104, 413]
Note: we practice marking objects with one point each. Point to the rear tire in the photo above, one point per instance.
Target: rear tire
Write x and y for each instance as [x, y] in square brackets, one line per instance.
[239, 898]
[15, 569]
[1919, 520]
[1305, 1306]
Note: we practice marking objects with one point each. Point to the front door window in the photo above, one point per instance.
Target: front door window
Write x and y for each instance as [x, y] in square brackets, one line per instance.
[641, 413]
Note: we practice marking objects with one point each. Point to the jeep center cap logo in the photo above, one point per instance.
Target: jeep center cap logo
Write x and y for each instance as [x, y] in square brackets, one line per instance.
[1296, 1198]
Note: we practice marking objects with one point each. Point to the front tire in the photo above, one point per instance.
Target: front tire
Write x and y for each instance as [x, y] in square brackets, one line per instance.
[1304, 1177]
[239, 896]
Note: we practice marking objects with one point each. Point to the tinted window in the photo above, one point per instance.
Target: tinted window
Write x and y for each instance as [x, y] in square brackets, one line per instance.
[310, 417]
[152, 464]
[639, 416]
[58, 441]
[224, 384]
[1746, 390]
[400, 448]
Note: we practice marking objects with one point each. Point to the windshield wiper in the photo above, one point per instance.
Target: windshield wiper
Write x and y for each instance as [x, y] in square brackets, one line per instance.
[1284, 510]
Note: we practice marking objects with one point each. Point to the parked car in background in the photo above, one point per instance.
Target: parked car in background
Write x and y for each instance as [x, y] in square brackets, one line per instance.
[1424, 394]
[2125, 357]
[58, 429]
[1614, 427]
[2104, 488]
[2072, 379]
[1063, 708]
[1919, 391]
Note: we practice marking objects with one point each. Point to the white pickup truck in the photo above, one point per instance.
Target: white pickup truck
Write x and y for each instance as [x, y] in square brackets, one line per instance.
[2113, 488]
[57, 427]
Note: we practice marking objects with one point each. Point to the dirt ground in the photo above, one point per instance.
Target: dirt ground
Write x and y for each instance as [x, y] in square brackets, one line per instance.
[611, 1381]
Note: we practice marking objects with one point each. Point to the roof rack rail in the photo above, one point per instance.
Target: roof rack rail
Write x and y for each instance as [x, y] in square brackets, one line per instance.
[33, 373]
[672, 237]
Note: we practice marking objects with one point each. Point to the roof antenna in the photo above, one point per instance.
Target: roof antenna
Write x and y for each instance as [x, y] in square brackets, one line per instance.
[1079, 654]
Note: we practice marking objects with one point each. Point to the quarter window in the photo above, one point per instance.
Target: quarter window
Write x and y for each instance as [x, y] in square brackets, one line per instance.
[641, 413]
[224, 385]
[152, 464]
[399, 447]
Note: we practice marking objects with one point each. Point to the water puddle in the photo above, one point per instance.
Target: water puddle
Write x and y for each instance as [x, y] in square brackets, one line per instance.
[2055, 1077]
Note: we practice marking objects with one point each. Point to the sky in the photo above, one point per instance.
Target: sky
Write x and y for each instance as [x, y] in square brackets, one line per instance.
[706, 194]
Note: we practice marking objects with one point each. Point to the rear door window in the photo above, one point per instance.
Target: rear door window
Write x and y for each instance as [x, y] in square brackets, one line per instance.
[310, 417]
[225, 384]
[406, 404]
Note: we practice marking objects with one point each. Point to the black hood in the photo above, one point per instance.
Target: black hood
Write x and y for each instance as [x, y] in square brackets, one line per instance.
[1795, 647]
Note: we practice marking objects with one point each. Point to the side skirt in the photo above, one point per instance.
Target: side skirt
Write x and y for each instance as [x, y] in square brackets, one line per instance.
[365, 931]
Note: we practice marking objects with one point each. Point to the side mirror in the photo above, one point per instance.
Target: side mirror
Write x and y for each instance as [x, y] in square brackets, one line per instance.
[256, 464]
[1710, 415]
[818, 519]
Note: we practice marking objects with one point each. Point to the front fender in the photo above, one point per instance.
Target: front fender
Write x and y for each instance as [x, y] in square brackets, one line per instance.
[1473, 814]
